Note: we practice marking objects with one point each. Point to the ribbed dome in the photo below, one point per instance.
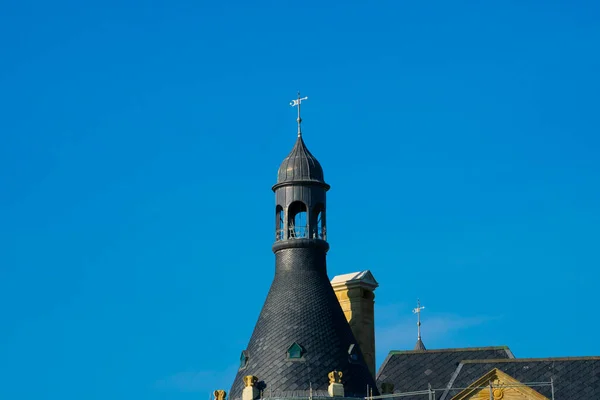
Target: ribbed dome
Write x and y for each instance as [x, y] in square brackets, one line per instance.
[300, 165]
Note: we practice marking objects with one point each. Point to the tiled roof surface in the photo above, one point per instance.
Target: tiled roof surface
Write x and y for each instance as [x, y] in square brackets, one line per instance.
[414, 370]
[300, 165]
[301, 307]
[420, 345]
[574, 377]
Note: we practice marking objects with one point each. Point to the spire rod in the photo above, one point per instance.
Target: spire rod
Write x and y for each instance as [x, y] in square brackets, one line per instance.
[295, 103]
[417, 311]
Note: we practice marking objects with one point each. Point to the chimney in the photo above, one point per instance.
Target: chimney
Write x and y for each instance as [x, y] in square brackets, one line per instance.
[355, 294]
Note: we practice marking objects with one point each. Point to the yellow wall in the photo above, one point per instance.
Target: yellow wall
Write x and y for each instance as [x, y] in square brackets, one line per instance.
[358, 305]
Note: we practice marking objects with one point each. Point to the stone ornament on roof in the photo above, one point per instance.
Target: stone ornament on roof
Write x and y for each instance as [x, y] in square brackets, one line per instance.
[335, 377]
[250, 380]
[220, 394]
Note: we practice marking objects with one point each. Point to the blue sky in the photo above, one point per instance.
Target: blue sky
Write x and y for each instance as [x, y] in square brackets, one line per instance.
[139, 142]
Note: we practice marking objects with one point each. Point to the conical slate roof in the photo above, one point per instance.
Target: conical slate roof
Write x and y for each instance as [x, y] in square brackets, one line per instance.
[420, 345]
[300, 165]
[302, 308]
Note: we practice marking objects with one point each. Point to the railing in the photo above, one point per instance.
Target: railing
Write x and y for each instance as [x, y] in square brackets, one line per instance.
[299, 395]
[301, 232]
[298, 232]
[320, 233]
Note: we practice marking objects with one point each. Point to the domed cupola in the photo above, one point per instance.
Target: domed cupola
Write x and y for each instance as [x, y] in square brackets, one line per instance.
[300, 165]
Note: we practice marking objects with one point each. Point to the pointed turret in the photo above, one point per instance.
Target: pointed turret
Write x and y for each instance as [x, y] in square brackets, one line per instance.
[302, 335]
[420, 345]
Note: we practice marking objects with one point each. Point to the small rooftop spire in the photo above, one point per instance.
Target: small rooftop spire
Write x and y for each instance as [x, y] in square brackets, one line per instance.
[419, 345]
[297, 102]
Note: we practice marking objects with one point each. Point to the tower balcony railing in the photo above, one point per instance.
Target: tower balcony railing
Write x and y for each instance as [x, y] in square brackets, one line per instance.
[320, 233]
[301, 232]
[298, 232]
[279, 234]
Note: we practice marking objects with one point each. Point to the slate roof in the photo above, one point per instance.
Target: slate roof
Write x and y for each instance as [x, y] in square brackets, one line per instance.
[574, 377]
[302, 307]
[420, 345]
[413, 370]
[300, 165]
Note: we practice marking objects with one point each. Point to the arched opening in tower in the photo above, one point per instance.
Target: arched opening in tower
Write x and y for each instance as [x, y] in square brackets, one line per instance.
[319, 230]
[279, 223]
[297, 220]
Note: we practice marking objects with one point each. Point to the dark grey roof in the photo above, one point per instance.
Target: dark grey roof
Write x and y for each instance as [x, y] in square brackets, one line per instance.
[301, 307]
[413, 370]
[300, 165]
[574, 377]
[420, 345]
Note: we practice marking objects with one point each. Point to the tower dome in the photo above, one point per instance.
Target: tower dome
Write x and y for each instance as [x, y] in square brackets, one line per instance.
[300, 165]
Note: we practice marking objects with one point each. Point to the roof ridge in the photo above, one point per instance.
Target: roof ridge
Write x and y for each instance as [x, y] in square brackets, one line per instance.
[505, 360]
[392, 352]
[382, 366]
[451, 382]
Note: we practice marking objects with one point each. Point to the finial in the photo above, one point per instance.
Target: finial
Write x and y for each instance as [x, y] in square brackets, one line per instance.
[420, 345]
[297, 102]
[335, 376]
[220, 394]
[250, 380]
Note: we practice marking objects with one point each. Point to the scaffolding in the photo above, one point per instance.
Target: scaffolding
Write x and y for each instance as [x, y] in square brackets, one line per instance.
[432, 393]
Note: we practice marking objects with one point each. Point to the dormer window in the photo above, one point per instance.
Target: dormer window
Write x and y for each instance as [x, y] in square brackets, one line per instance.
[295, 351]
[352, 356]
[243, 359]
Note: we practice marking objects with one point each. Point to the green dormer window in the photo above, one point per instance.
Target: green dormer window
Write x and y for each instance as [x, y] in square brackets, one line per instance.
[243, 359]
[352, 355]
[295, 351]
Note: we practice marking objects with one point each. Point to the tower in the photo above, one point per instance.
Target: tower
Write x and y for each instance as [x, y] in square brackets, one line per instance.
[301, 334]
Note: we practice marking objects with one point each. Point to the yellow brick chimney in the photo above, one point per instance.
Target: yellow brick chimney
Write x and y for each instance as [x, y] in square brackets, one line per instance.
[355, 293]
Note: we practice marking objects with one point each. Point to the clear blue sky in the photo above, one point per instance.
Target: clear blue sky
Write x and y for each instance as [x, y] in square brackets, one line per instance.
[139, 142]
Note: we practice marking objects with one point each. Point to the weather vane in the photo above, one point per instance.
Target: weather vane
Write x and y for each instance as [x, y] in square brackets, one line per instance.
[295, 103]
[418, 312]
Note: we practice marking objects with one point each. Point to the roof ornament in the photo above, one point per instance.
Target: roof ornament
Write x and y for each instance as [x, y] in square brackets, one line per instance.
[419, 345]
[295, 103]
[220, 394]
